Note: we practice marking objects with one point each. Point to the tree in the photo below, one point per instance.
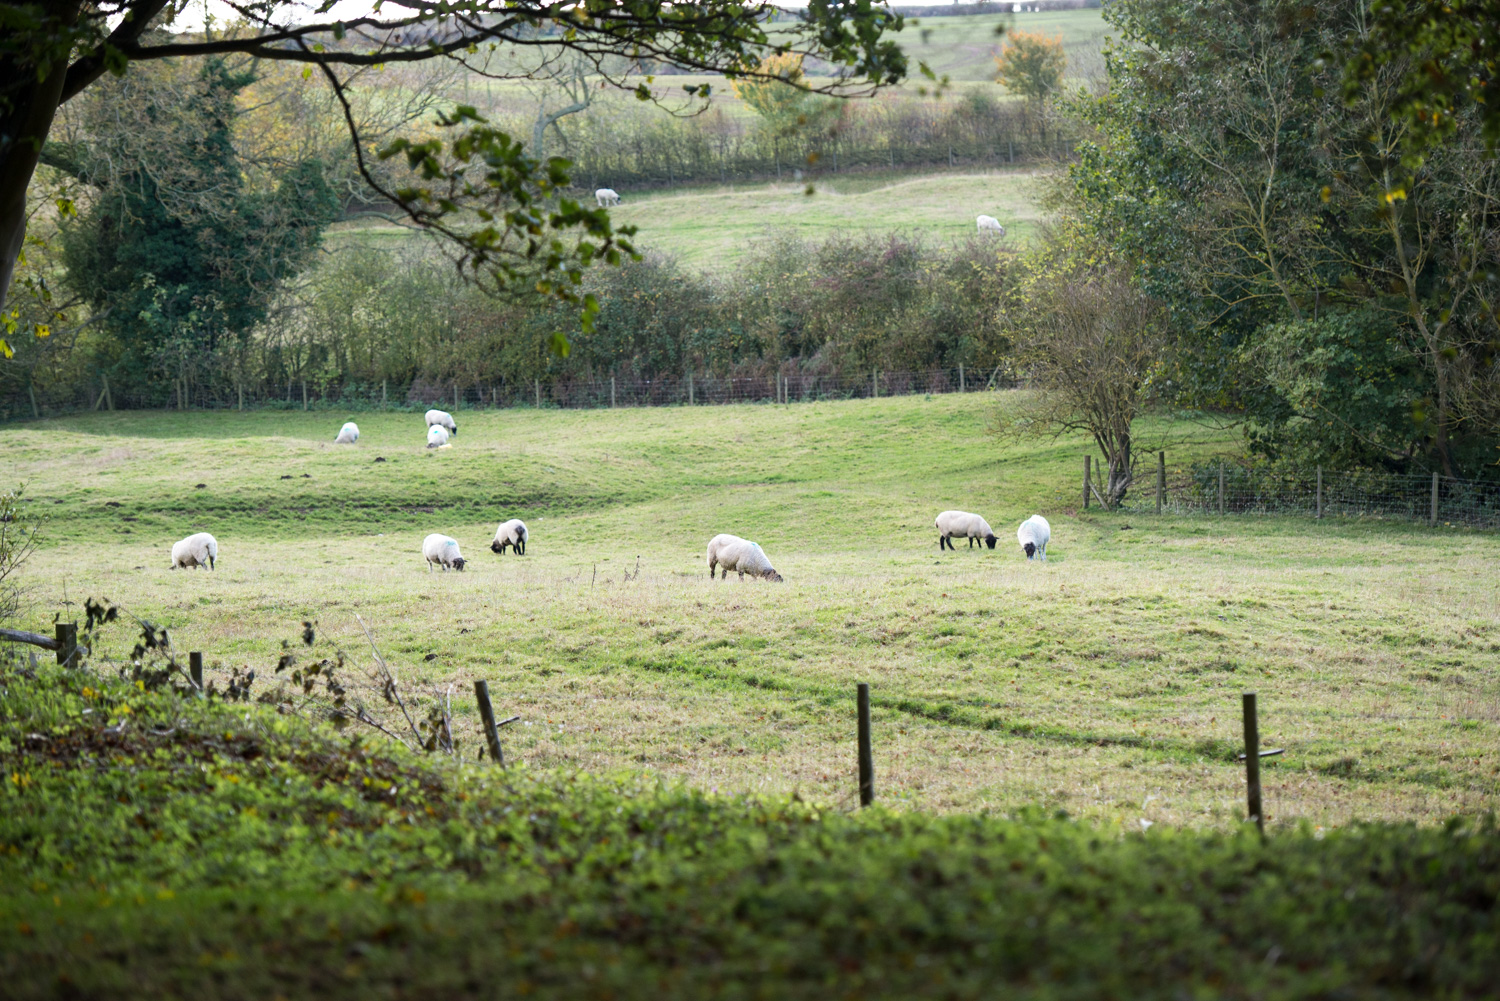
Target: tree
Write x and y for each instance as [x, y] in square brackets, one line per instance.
[505, 210]
[174, 253]
[784, 102]
[1262, 204]
[1031, 64]
[1088, 341]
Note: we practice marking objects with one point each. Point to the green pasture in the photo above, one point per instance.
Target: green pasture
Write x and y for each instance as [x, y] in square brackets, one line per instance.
[709, 229]
[1104, 682]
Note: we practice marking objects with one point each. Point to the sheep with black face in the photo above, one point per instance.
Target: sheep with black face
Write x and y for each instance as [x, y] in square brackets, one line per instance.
[964, 525]
[439, 550]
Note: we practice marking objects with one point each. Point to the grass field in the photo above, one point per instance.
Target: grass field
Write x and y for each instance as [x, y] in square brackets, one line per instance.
[1105, 682]
[709, 229]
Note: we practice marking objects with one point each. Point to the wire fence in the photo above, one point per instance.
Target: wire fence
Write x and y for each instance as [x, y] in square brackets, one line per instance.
[1229, 488]
[693, 389]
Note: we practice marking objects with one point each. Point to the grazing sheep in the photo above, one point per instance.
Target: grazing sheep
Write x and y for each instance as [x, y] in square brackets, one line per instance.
[510, 533]
[606, 197]
[734, 553]
[199, 550]
[989, 224]
[443, 551]
[437, 436]
[962, 523]
[1033, 535]
[441, 418]
[348, 434]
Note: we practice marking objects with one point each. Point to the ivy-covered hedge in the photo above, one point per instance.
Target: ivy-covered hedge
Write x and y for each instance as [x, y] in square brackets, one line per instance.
[155, 845]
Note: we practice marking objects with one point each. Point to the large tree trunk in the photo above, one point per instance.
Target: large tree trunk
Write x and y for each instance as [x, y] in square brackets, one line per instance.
[23, 130]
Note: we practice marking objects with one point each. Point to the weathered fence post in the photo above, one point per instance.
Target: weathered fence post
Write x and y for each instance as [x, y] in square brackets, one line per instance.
[691, 401]
[487, 716]
[1320, 492]
[538, 393]
[1252, 763]
[1221, 486]
[1434, 498]
[611, 390]
[109, 397]
[866, 754]
[1161, 479]
[66, 634]
[304, 394]
[1087, 462]
[960, 377]
[455, 396]
[35, 411]
[875, 383]
[382, 394]
[195, 670]
[239, 389]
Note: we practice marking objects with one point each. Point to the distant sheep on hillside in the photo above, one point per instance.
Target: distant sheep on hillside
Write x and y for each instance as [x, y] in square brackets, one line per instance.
[607, 197]
[989, 224]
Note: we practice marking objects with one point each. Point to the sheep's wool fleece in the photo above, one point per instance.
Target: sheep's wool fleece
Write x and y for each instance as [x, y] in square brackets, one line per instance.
[511, 531]
[441, 418]
[440, 549]
[962, 524]
[195, 550]
[437, 436]
[734, 553]
[348, 434]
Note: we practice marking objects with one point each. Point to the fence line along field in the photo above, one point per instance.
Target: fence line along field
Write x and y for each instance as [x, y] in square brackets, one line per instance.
[1105, 682]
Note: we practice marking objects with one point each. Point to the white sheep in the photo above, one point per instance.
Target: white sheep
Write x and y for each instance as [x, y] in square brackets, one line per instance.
[1033, 536]
[348, 434]
[443, 551]
[734, 553]
[989, 224]
[510, 533]
[963, 524]
[437, 436]
[199, 550]
[441, 418]
[606, 197]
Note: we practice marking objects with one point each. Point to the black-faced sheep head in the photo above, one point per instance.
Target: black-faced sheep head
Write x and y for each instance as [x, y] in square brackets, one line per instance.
[458, 563]
[497, 546]
[989, 540]
[1030, 548]
[772, 575]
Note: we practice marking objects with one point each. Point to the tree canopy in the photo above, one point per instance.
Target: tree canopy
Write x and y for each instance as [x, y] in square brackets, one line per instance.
[506, 212]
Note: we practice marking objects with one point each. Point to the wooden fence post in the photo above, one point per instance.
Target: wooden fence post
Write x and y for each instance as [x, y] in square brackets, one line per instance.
[691, 401]
[455, 396]
[875, 383]
[866, 754]
[1221, 486]
[382, 394]
[1320, 492]
[538, 394]
[195, 670]
[1434, 498]
[35, 411]
[1252, 763]
[240, 391]
[487, 715]
[611, 390]
[304, 394]
[1087, 462]
[960, 377]
[109, 396]
[1161, 479]
[67, 642]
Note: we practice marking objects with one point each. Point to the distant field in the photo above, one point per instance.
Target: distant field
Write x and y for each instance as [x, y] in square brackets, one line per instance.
[1105, 682]
[711, 228]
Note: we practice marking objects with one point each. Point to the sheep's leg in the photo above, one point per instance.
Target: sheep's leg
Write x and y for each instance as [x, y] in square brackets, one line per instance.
[520, 547]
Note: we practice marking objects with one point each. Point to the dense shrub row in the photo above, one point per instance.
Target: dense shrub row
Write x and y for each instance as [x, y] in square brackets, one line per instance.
[152, 844]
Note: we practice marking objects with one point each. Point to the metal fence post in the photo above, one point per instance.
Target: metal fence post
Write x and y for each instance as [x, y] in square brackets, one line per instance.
[1087, 462]
[1434, 498]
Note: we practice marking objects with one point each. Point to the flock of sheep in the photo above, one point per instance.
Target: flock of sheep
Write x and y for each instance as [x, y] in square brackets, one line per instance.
[725, 552]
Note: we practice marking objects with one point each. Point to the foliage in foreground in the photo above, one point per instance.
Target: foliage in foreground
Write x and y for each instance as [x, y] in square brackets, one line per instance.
[154, 842]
